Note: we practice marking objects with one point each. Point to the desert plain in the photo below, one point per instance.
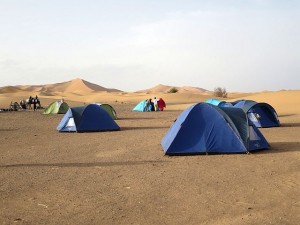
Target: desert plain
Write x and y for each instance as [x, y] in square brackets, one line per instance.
[123, 177]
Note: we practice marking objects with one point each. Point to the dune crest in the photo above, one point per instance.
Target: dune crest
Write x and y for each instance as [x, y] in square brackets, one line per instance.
[84, 86]
[78, 90]
[9, 89]
[73, 86]
[160, 88]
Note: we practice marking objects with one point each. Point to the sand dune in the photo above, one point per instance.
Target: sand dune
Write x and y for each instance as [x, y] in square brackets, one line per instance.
[166, 89]
[284, 102]
[76, 86]
[83, 92]
[196, 90]
[9, 89]
[85, 86]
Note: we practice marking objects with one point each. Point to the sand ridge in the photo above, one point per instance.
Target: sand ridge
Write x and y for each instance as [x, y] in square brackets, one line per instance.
[160, 88]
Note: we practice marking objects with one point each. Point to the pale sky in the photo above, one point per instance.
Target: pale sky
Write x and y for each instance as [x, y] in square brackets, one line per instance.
[242, 45]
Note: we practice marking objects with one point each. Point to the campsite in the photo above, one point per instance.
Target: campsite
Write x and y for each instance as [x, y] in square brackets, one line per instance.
[125, 177]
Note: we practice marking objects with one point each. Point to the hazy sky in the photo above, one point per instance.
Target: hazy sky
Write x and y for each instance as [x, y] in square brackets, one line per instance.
[242, 45]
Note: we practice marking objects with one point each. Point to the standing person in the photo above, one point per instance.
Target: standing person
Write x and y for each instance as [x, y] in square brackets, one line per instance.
[155, 104]
[161, 104]
[146, 109]
[38, 101]
[34, 104]
[30, 101]
[151, 105]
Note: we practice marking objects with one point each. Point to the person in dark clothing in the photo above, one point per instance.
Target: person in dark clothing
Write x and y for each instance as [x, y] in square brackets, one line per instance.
[34, 104]
[147, 105]
[151, 108]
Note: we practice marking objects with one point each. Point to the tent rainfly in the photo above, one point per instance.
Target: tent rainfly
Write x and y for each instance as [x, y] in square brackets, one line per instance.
[261, 114]
[57, 107]
[205, 128]
[87, 118]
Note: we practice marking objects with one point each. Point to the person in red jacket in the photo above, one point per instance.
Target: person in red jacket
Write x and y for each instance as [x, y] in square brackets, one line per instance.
[161, 104]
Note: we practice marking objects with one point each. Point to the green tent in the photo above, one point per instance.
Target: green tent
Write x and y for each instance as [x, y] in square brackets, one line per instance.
[58, 107]
[109, 109]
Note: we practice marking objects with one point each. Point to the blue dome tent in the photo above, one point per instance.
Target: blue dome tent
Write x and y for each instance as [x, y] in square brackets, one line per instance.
[87, 119]
[205, 128]
[261, 114]
[141, 107]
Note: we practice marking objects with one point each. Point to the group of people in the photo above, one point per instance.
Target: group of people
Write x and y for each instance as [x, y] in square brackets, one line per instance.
[35, 101]
[153, 105]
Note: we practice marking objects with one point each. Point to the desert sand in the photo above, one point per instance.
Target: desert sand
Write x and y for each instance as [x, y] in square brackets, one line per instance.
[123, 177]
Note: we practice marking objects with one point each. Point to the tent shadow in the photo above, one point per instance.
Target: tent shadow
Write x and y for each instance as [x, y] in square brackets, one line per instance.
[84, 165]
[136, 118]
[286, 115]
[143, 128]
[277, 147]
[9, 129]
[290, 124]
[281, 147]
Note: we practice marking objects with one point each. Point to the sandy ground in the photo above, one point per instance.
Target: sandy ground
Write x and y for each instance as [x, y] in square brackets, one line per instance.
[123, 177]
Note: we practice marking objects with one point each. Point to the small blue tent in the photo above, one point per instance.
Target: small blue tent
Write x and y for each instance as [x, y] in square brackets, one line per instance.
[141, 107]
[87, 119]
[261, 114]
[205, 128]
[218, 102]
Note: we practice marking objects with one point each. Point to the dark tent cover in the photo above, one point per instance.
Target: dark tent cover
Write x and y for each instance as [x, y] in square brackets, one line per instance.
[205, 128]
[261, 114]
[87, 119]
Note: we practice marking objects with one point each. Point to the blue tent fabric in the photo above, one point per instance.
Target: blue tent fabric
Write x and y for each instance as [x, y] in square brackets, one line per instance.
[205, 128]
[67, 122]
[213, 101]
[225, 104]
[261, 114]
[244, 104]
[140, 107]
[88, 118]
[218, 102]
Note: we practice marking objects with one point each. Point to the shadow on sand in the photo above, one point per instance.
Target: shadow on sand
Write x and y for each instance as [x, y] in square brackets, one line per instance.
[290, 124]
[143, 128]
[286, 115]
[136, 118]
[9, 129]
[87, 165]
[281, 147]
